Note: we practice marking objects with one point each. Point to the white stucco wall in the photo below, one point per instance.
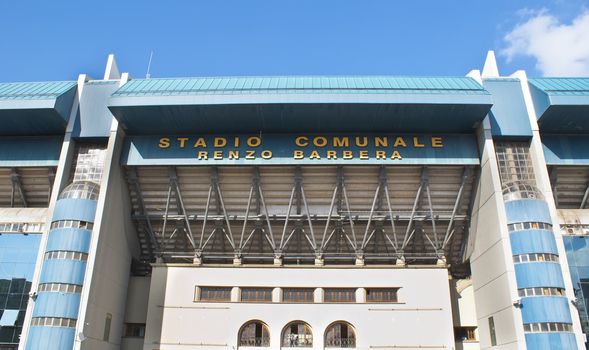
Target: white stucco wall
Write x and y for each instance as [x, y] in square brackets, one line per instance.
[423, 316]
[464, 313]
[493, 274]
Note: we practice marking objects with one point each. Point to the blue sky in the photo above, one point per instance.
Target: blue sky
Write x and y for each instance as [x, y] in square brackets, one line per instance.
[57, 40]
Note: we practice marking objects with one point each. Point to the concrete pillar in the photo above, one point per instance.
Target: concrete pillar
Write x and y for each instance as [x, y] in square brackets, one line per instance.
[277, 295]
[318, 295]
[235, 295]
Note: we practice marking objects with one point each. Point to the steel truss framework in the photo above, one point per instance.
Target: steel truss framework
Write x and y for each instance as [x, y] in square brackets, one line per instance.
[26, 187]
[395, 214]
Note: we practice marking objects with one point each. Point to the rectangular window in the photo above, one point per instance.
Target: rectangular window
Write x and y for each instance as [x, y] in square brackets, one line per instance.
[256, 295]
[136, 330]
[465, 334]
[219, 294]
[381, 295]
[340, 295]
[492, 331]
[107, 322]
[297, 295]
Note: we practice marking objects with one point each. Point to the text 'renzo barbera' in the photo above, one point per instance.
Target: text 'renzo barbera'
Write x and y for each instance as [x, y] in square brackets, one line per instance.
[300, 146]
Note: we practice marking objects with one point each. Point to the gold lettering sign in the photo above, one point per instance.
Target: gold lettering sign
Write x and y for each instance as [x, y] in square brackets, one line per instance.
[301, 147]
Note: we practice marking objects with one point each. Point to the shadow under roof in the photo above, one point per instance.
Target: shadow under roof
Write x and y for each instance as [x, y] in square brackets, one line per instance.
[299, 103]
[35, 108]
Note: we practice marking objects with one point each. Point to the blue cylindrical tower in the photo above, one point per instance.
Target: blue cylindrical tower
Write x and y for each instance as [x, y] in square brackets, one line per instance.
[57, 305]
[545, 308]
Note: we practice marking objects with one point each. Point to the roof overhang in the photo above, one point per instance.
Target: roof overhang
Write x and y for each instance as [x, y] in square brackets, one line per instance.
[562, 104]
[35, 108]
[25, 151]
[306, 109]
[566, 149]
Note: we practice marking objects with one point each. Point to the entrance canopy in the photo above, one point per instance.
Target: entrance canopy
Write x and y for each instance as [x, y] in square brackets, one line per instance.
[300, 104]
[382, 214]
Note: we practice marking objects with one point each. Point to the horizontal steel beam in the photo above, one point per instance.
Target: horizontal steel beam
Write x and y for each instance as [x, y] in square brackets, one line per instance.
[403, 217]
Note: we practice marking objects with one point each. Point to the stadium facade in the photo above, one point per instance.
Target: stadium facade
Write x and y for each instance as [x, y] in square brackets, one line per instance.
[262, 213]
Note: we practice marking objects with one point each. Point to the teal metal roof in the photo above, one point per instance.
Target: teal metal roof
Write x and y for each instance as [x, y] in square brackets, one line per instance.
[35, 90]
[562, 86]
[299, 103]
[300, 84]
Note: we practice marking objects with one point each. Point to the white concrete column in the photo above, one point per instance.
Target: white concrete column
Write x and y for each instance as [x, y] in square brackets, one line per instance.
[197, 291]
[543, 183]
[277, 295]
[235, 295]
[361, 295]
[318, 295]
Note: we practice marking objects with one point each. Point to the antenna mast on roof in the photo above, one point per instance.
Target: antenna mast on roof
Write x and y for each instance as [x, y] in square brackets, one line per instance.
[147, 75]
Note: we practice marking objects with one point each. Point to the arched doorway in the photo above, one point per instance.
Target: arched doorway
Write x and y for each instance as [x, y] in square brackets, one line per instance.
[297, 334]
[254, 334]
[340, 335]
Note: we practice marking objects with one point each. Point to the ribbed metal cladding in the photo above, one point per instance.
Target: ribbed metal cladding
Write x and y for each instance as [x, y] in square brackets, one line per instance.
[307, 84]
[562, 86]
[34, 90]
[528, 212]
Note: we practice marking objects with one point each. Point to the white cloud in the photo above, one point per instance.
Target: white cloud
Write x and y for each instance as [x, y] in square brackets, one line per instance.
[559, 49]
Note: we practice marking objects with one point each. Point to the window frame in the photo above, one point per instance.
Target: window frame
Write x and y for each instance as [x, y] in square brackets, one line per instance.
[254, 322]
[262, 301]
[289, 325]
[394, 290]
[340, 323]
[213, 300]
[339, 300]
[308, 289]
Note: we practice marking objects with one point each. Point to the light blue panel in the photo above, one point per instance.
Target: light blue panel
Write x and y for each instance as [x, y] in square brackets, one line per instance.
[540, 99]
[50, 338]
[538, 274]
[412, 148]
[509, 116]
[55, 304]
[70, 239]
[18, 255]
[63, 271]
[532, 241]
[566, 150]
[75, 209]
[551, 341]
[527, 210]
[545, 309]
[30, 151]
[577, 253]
[94, 119]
